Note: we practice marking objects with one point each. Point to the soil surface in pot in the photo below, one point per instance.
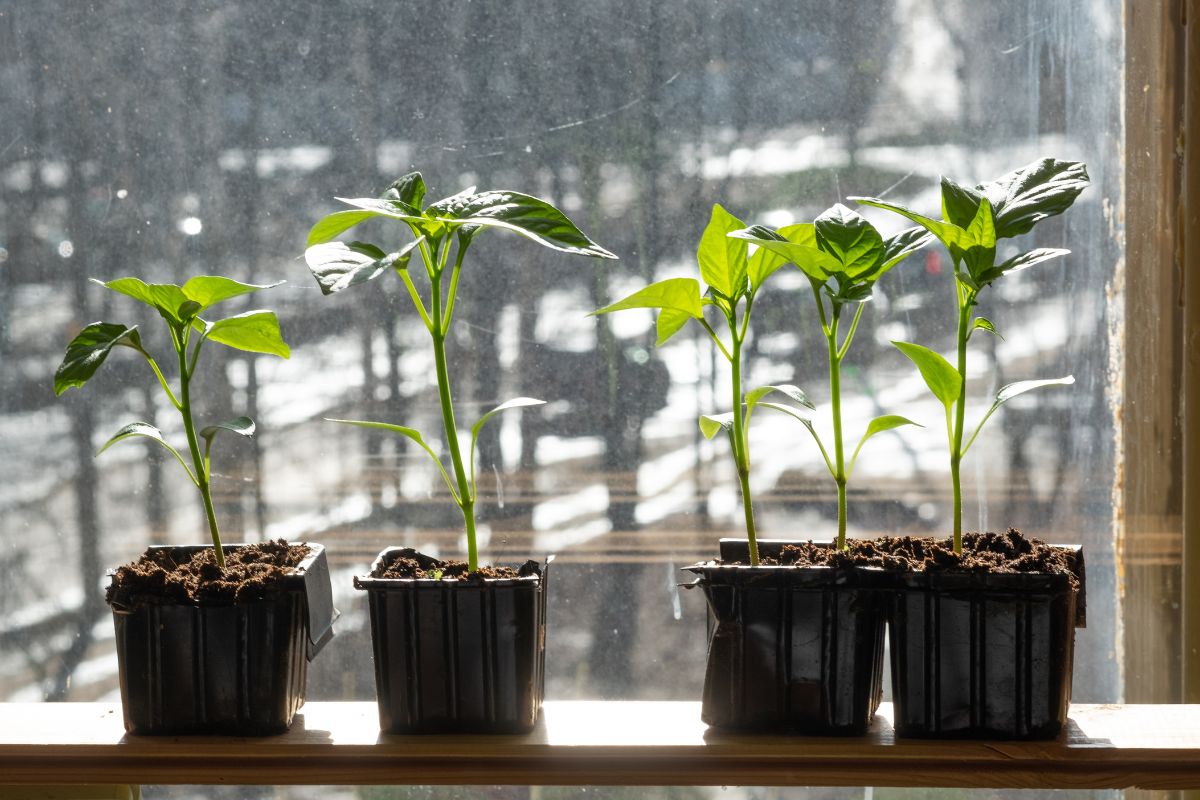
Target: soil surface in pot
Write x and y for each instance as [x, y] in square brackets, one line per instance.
[436, 569]
[252, 572]
[1009, 552]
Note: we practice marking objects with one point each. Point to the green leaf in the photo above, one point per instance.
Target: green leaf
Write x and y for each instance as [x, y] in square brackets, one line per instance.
[850, 238]
[208, 290]
[940, 375]
[901, 246]
[878, 425]
[764, 262]
[1023, 261]
[409, 189]
[681, 294]
[982, 229]
[148, 431]
[1026, 196]
[88, 350]
[333, 225]
[800, 248]
[959, 204]
[670, 322]
[711, 425]
[414, 435]
[242, 426]
[167, 298]
[338, 265]
[1008, 393]
[722, 258]
[532, 218]
[952, 236]
[755, 396]
[477, 428]
[253, 331]
[983, 323]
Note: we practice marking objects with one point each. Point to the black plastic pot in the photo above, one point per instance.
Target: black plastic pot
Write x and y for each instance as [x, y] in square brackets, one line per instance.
[457, 656]
[984, 656]
[791, 649]
[223, 669]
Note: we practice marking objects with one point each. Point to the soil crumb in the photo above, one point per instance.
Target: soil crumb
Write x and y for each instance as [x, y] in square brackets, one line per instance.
[170, 575]
[435, 569]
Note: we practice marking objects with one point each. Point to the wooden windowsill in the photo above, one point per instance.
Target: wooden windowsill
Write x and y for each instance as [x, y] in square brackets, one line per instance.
[589, 742]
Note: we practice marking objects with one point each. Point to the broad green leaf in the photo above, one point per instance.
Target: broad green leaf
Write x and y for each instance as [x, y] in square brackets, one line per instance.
[1026, 196]
[1023, 261]
[959, 204]
[901, 246]
[335, 224]
[208, 290]
[532, 218]
[670, 322]
[850, 238]
[805, 254]
[188, 310]
[516, 402]
[414, 435]
[711, 425]
[982, 229]
[88, 350]
[253, 331]
[242, 426]
[722, 258]
[755, 396]
[878, 425]
[453, 204]
[148, 431]
[1010, 391]
[166, 297]
[983, 323]
[681, 294]
[764, 262]
[940, 375]
[409, 189]
[338, 265]
[952, 236]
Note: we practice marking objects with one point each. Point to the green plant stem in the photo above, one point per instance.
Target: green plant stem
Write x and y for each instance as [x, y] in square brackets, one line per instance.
[466, 497]
[835, 394]
[198, 461]
[960, 410]
[741, 450]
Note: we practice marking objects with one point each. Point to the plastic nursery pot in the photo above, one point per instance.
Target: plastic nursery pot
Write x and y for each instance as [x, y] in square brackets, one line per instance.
[223, 669]
[791, 649]
[984, 656]
[457, 656]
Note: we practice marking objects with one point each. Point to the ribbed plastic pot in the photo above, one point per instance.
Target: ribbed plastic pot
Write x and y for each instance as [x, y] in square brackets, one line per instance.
[791, 649]
[983, 656]
[457, 656]
[223, 669]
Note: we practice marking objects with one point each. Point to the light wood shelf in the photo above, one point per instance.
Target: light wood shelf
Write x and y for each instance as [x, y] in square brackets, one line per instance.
[610, 743]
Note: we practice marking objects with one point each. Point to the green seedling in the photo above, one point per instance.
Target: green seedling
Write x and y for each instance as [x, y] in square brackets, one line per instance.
[842, 255]
[733, 280]
[973, 221]
[439, 230]
[180, 307]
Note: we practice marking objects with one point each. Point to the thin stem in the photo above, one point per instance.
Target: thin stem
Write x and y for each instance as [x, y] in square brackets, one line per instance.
[835, 393]
[199, 462]
[741, 449]
[466, 494]
[161, 380]
[416, 298]
[716, 339]
[850, 334]
[453, 293]
[960, 409]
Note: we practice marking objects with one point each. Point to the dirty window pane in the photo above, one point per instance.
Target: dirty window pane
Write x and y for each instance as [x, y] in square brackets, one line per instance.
[167, 141]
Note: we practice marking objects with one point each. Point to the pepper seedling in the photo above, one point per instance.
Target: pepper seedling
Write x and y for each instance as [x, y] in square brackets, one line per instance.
[447, 226]
[180, 307]
[973, 221]
[843, 256]
[733, 280]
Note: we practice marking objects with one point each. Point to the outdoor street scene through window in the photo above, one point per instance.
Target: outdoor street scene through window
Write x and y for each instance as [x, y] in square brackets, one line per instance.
[171, 140]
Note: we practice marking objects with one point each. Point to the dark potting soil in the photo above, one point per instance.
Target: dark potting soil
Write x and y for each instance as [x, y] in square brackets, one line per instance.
[451, 570]
[1009, 552]
[252, 572]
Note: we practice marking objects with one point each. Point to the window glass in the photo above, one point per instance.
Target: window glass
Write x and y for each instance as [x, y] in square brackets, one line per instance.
[165, 141]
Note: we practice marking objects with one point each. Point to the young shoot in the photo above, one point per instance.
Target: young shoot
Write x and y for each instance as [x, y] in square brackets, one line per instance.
[973, 221]
[442, 232]
[733, 280]
[842, 255]
[180, 307]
